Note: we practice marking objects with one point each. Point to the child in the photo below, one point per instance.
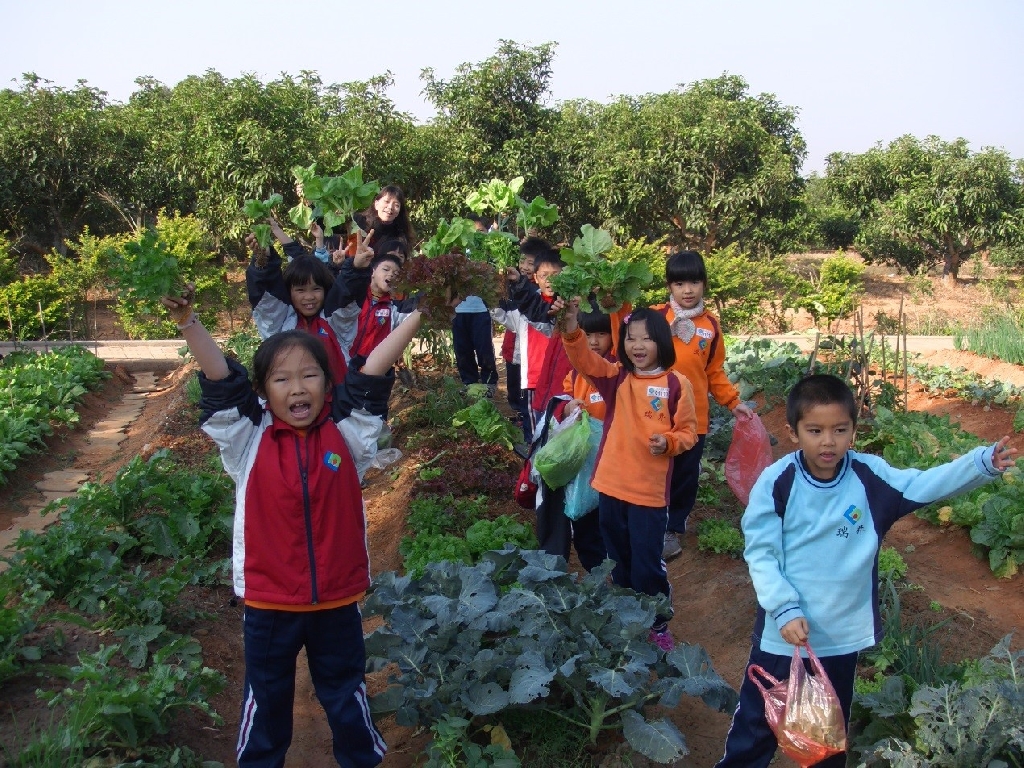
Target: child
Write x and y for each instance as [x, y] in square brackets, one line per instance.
[650, 419]
[555, 531]
[528, 250]
[294, 299]
[300, 561]
[700, 355]
[379, 314]
[529, 313]
[813, 527]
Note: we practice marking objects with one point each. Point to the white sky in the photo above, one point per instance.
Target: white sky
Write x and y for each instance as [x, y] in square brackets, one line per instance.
[859, 72]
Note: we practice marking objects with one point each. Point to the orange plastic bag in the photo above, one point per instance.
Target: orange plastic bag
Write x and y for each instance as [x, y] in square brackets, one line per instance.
[804, 711]
[750, 453]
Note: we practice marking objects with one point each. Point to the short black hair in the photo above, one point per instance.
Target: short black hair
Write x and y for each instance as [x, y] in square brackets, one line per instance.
[552, 257]
[267, 352]
[537, 247]
[382, 257]
[306, 269]
[595, 322]
[391, 245]
[659, 331]
[686, 267]
[819, 389]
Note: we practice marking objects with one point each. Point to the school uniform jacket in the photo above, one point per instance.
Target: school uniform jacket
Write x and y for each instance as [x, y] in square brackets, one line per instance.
[272, 311]
[701, 360]
[812, 545]
[299, 527]
[638, 406]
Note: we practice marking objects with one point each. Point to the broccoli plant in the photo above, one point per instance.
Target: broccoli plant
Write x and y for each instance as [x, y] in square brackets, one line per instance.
[518, 630]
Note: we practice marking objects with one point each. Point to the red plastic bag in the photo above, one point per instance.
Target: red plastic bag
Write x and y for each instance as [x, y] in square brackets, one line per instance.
[804, 711]
[525, 491]
[750, 453]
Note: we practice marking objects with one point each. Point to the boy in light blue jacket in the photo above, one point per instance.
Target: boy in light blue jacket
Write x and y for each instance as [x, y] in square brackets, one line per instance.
[813, 528]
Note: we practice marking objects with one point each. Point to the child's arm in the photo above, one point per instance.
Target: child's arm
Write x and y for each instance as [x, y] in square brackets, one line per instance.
[200, 343]
[683, 434]
[765, 553]
[387, 353]
[583, 358]
[918, 488]
[723, 390]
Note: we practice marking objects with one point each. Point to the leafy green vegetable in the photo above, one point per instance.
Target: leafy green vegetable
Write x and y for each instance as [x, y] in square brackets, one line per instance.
[537, 214]
[588, 271]
[720, 537]
[259, 212]
[488, 423]
[145, 271]
[518, 630]
[495, 196]
[333, 198]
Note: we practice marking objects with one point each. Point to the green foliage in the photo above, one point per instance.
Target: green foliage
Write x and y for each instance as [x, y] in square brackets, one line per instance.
[917, 439]
[112, 708]
[762, 365]
[451, 747]
[446, 529]
[495, 197]
[965, 384]
[259, 211]
[589, 271]
[1000, 335]
[151, 510]
[957, 724]
[653, 254]
[752, 293]
[928, 202]
[840, 284]
[488, 423]
[720, 537]
[38, 392]
[891, 564]
[335, 199]
[156, 263]
[517, 630]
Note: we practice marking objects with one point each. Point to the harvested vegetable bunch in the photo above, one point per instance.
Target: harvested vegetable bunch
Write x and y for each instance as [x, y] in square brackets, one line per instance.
[440, 280]
[258, 211]
[145, 271]
[589, 271]
[462, 235]
[333, 198]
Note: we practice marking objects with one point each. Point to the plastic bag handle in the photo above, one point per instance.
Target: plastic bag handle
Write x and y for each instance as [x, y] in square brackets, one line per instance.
[756, 669]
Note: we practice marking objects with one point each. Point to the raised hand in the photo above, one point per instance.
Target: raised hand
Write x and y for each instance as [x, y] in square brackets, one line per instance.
[1003, 455]
[364, 253]
[258, 251]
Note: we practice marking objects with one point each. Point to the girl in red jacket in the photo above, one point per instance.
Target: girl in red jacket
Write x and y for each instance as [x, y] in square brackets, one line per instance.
[299, 557]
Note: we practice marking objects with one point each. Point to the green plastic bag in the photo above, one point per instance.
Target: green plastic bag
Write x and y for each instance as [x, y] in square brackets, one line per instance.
[562, 457]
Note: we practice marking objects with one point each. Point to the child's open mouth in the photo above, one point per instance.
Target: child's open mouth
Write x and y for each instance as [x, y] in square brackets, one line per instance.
[300, 411]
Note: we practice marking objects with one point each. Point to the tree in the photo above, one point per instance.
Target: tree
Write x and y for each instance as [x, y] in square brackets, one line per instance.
[491, 122]
[60, 151]
[708, 163]
[923, 203]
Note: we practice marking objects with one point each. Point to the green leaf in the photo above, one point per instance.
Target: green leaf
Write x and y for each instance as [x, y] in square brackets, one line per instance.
[660, 740]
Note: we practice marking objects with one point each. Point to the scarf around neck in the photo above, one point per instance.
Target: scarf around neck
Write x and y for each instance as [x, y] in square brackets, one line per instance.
[682, 325]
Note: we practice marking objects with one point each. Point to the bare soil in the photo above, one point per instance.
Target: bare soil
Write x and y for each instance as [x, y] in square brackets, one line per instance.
[712, 594]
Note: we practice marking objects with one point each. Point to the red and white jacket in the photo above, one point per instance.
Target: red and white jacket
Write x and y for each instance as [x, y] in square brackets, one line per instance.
[300, 525]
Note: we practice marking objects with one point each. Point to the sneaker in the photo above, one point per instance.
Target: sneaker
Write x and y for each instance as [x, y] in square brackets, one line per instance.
[662, 639]
[672, 547]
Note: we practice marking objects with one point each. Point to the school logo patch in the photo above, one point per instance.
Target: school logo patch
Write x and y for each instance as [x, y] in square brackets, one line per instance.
[322, 331]
[853, 514]
[382, 315]
[702, 344]
[332, 460]
[656, 404]
[704, 333]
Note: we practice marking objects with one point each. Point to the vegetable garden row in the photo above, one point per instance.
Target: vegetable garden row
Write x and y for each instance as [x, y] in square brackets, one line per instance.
[481, 632]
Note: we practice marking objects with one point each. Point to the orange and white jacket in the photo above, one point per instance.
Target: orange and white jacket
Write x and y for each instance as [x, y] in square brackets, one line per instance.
[701, 360]
[638, 406]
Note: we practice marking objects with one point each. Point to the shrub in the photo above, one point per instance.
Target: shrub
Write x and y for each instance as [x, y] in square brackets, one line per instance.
[750, 293]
